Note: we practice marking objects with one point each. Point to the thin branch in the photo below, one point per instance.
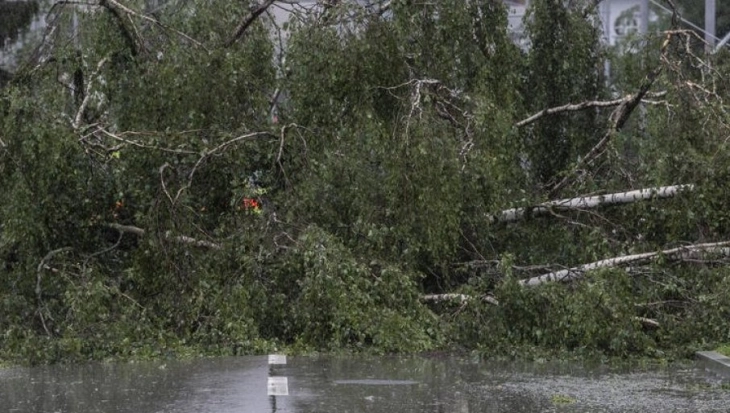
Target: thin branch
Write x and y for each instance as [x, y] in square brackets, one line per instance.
[661, 303]
[181, 239]
[42, 265]
[281, 152]
[104, 251]
[162, 182]
[120, 137]
[218, 148]
[573, 107]
[247, 21]
[155, 22]
[39, 277]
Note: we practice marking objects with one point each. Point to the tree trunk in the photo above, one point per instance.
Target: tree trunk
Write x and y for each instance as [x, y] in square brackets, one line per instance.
[680, 253]
[516, 214]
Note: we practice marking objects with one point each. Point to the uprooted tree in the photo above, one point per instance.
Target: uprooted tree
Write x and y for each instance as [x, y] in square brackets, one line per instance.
[188, 177]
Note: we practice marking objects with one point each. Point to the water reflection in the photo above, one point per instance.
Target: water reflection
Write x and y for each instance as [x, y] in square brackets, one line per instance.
[357, 384]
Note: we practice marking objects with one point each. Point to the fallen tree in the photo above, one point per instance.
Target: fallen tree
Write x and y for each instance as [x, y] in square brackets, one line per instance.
[676, 254]
[587, 202]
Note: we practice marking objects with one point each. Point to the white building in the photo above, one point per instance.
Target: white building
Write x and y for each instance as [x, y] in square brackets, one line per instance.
[618, 17]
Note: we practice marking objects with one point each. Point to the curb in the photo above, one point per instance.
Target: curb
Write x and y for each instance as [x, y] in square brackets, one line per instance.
[715, 362]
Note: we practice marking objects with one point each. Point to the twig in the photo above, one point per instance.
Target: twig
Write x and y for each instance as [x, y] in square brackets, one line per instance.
[39, 276]
[104, 251]
[119, 137]
[218, 148]
[162, 182]
[42, 265]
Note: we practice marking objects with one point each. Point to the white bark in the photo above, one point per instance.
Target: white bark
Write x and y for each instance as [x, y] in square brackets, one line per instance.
[446, 297]
[587, 202]
[184, 239]
[76, 124]
[458, 297]
[583, 105]
[648, 322]
[680, 253]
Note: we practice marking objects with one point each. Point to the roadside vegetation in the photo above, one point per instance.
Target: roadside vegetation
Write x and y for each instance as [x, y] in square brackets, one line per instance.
[404, 177]
[724, 349]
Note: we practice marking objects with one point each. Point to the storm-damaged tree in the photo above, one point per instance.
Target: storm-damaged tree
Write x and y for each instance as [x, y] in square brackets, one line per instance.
[416, 151]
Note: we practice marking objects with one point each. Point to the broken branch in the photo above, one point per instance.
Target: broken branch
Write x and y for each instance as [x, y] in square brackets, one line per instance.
[619, 117]
[573, 107]
[181, 239]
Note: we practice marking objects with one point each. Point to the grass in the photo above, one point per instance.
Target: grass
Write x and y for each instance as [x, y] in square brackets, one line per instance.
[724, 350]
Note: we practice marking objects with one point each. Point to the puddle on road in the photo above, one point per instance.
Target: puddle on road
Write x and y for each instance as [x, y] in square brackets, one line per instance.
[359, 384]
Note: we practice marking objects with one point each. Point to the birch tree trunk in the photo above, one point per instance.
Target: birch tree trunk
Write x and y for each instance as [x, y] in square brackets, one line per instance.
[516, 214]
[680, 253]
[458, 298]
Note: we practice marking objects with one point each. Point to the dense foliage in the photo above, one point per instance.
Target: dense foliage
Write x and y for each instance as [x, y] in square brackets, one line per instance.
[175, 185]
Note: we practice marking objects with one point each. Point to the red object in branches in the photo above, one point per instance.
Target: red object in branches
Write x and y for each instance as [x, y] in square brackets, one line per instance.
[118, 206]
[250, 203]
